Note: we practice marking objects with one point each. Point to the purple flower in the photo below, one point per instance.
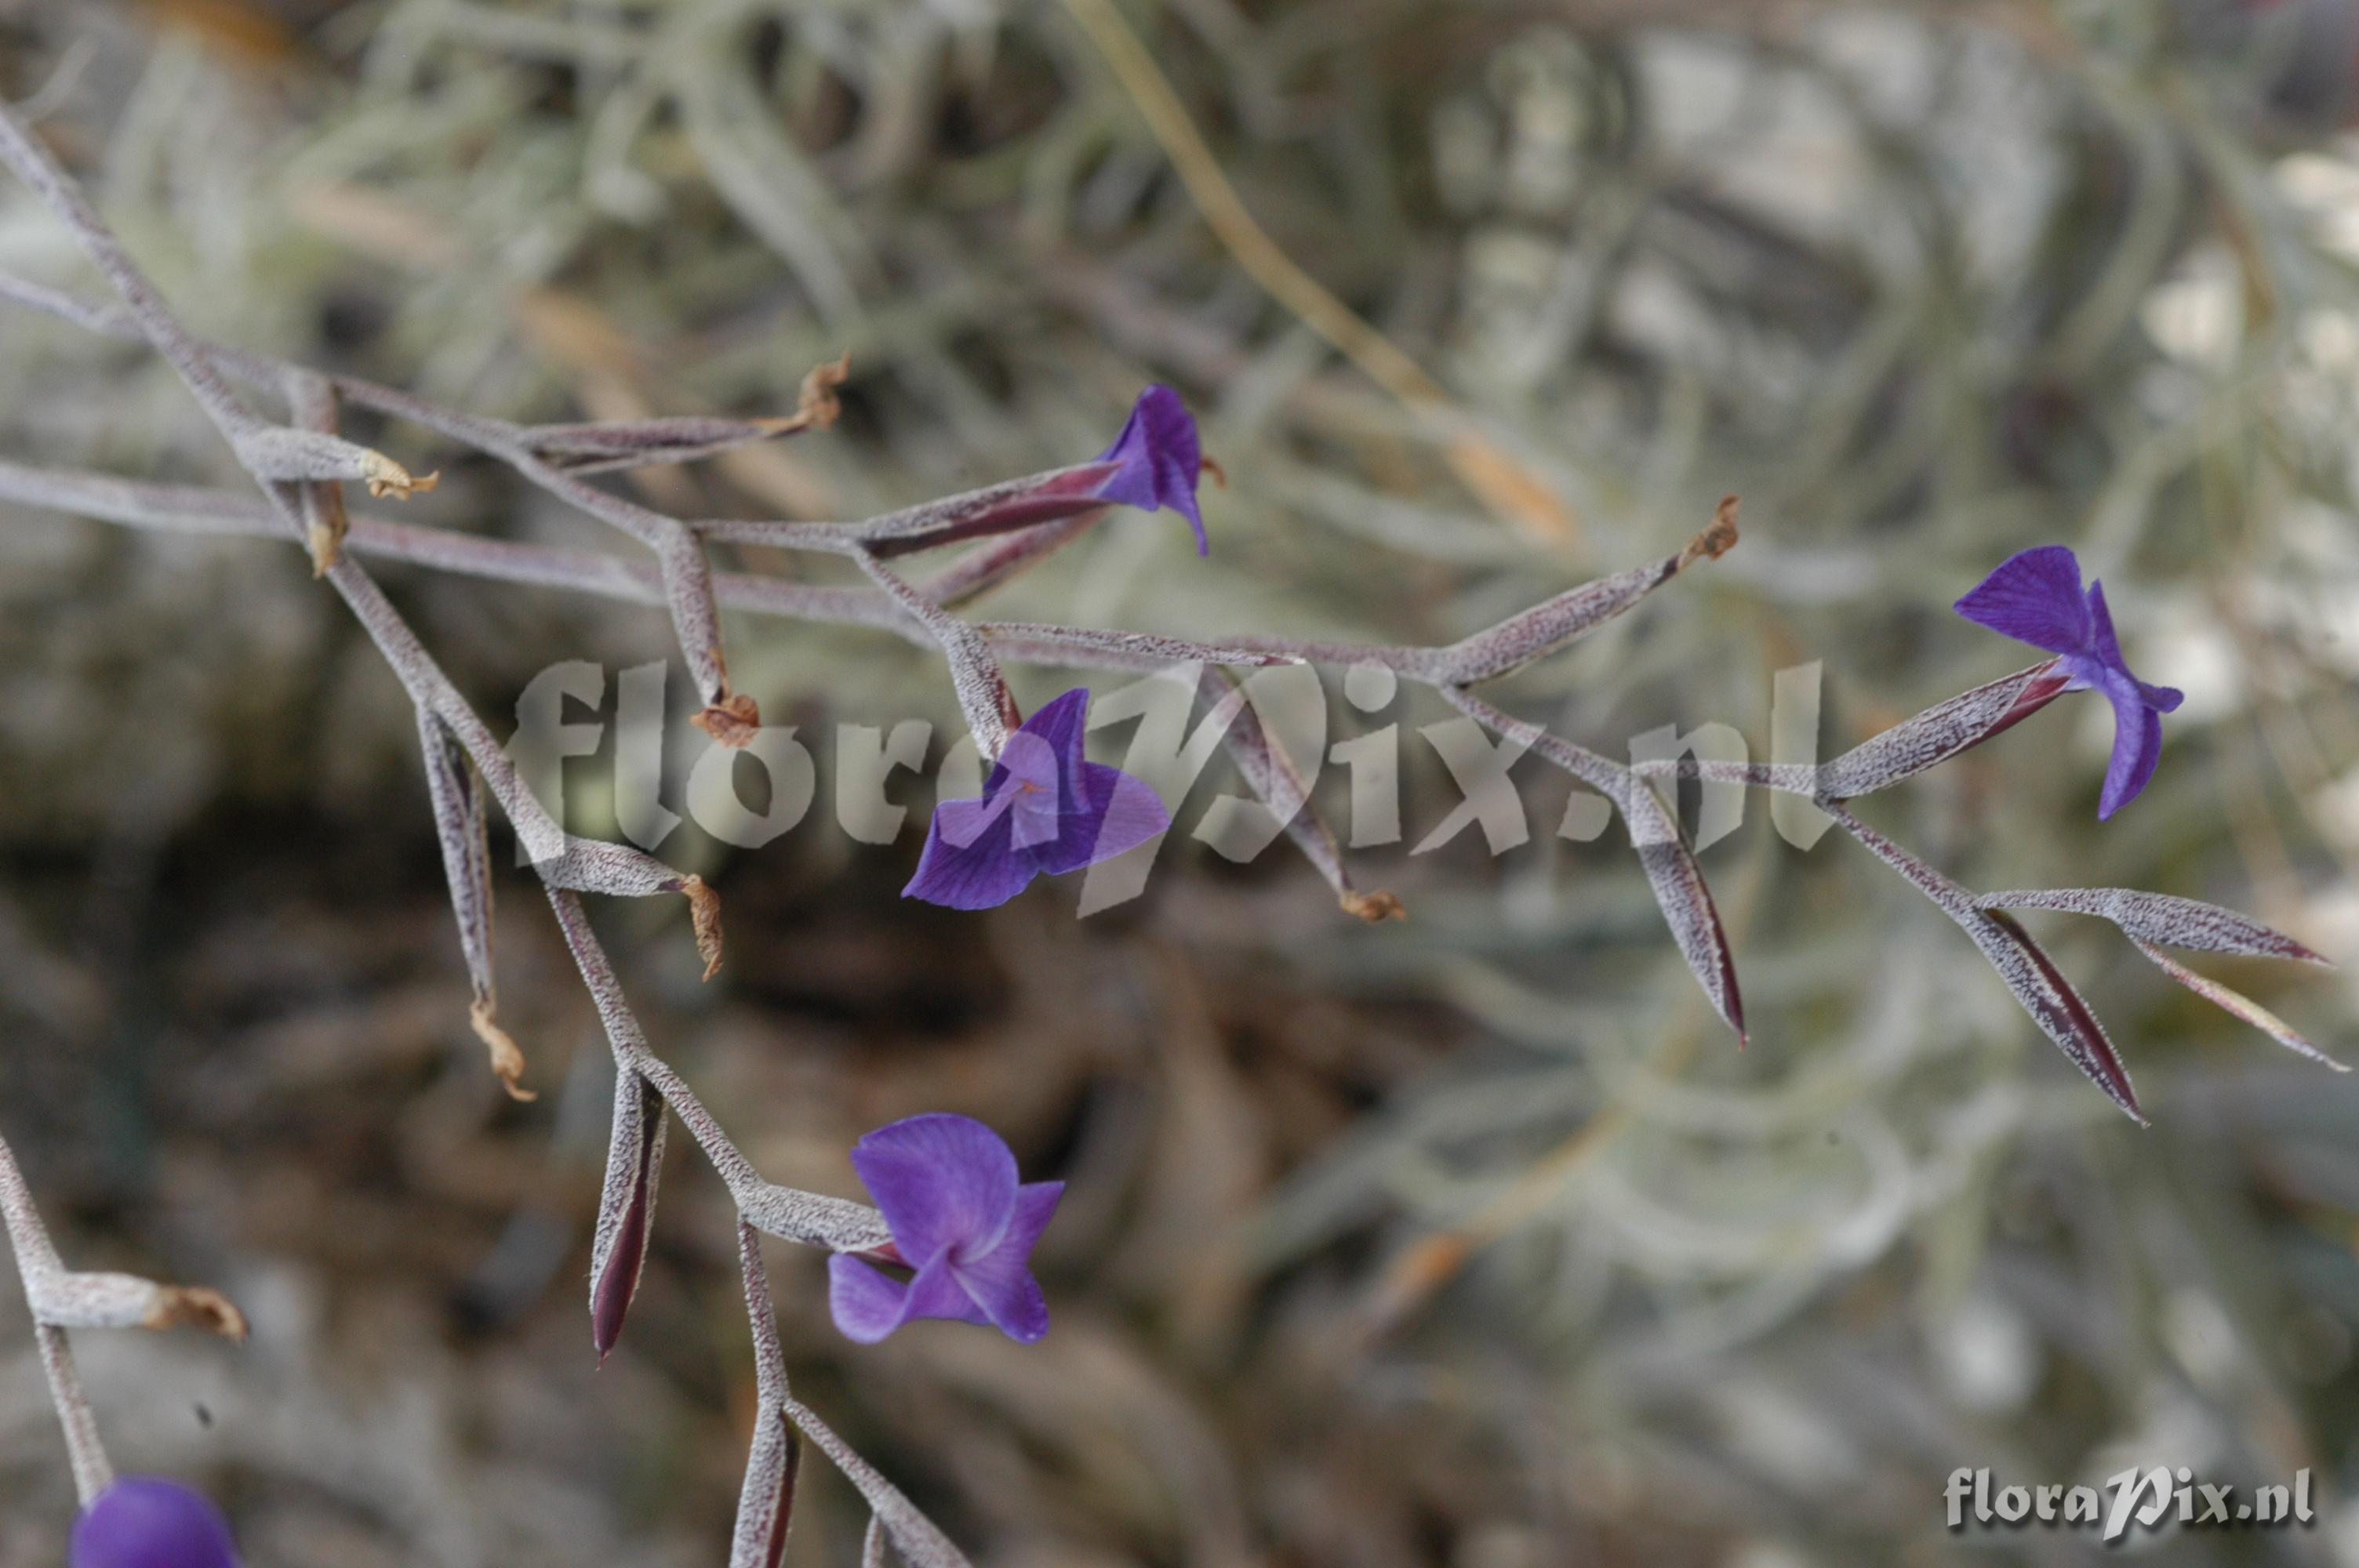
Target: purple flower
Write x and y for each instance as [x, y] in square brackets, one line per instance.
[2034, 597]
[1160, 460]
[1043, 808]
[948, 1190]
[143, 1522]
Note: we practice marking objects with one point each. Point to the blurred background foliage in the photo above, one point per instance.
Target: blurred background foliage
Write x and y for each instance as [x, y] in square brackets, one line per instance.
[1468, 1240]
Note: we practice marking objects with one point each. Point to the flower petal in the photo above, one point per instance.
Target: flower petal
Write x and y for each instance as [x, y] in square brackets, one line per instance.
[941, 1181]
[1035, 1204]
[1114, 812]
[1160, 460]
[984, 871]
[2162, 698]
[1000, 1283]
[1004, 1291]
[2138, 745]
[1040, 770]
[1059, 724]
[143, 1521]
[868, 1304]
[864, 1301]
[2034, 596]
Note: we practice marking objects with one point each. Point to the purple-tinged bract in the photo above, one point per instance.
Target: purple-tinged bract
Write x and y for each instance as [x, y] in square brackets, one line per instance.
[1160, 460]
[142, 1521]
[2034, 597]
[947, 1187]
[1043, 808]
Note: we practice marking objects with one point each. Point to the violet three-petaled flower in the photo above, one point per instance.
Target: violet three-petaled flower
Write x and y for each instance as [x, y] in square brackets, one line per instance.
[2034, 597]
[1043, 808]
[143, 1521]
[947, 1187]
[1159, 460]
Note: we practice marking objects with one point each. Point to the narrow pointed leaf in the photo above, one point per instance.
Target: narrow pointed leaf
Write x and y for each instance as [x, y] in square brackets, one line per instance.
[1685, 900]
[1671, 872]
[2162, 919]
[1271, 774]
[2028, 972]
[2051, 1001]
[457, 796]
[987, 565]
[1941, 731]
[766, 1507]
[918, 1540]
[618, 1248]
[1147, 646]
[1547, 627]
[631, 443]
[1003, 508]
[2239, 1003]
[765, 1504]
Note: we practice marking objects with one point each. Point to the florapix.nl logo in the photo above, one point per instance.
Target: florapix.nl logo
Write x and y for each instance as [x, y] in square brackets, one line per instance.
[2155, 1498]
[748, 795]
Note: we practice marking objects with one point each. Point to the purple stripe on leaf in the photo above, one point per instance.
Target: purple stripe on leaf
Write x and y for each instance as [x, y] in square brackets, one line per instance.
[625, 1209]
[1941, 731]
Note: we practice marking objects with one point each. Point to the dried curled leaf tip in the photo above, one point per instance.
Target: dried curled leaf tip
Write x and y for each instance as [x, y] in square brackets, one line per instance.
[704, 910]
[325, 541]
[818, 407]
[195, 1306]
[1205, 464]
[384, 476]
[507, 1058]
[1717, 539]
[325, 524]
[732, 721]
[1373, 907]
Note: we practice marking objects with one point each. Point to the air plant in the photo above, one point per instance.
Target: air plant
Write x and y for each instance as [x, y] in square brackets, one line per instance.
[950, 1206]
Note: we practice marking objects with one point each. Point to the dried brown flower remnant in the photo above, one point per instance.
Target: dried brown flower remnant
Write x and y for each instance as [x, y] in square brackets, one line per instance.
[1718, 537]
[325, 524]
[732, 721]
[818, 405]
[508, 1057]
[195, 1306]
[704, 910]
[384, 476]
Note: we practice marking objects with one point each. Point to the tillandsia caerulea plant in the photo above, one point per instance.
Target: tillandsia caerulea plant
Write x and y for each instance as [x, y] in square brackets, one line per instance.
[950, 1206]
